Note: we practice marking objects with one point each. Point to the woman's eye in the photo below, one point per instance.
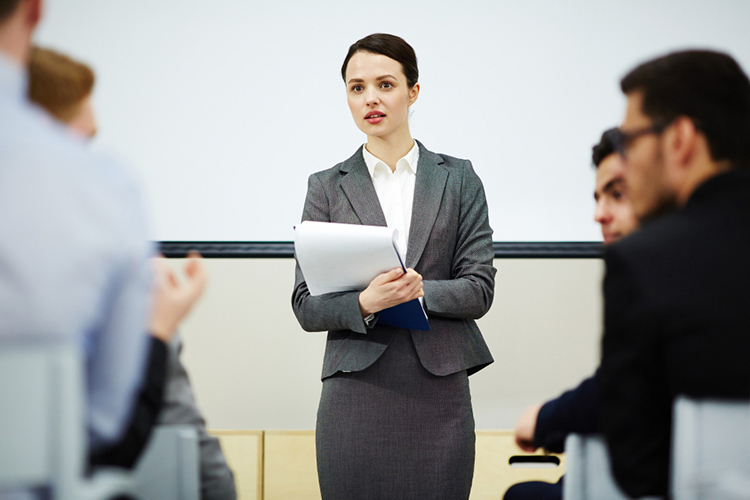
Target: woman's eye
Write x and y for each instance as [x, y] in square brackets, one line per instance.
[386, 85]
[356, 88]
[617, 195]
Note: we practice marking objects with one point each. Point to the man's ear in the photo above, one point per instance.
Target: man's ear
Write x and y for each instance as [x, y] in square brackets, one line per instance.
[681, 140]
[34, 12]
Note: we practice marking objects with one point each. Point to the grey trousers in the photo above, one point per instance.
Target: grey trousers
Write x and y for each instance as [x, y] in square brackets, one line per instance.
[394, 431]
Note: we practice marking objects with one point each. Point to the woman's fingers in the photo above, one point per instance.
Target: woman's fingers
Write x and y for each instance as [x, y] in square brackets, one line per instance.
[389, 289]
[388, 276]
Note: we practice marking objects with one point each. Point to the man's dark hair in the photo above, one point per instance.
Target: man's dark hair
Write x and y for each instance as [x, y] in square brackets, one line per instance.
[388, 45]
[708, 87]
[605, 147]
[7, 7]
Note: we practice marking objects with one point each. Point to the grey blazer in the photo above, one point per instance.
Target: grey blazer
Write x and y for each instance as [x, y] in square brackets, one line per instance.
[450, 245]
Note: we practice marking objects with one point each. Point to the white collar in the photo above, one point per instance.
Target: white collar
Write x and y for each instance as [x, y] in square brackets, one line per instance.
[410, 160]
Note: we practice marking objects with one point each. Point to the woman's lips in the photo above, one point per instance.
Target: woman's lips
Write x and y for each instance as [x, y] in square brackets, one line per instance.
[374, 117]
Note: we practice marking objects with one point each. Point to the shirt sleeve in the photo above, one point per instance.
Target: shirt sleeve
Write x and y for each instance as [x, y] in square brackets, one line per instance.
[119, 349]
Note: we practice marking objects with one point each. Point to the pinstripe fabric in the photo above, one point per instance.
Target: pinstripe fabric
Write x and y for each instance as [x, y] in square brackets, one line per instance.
[395, 419]
[450, 245]
[394, 431]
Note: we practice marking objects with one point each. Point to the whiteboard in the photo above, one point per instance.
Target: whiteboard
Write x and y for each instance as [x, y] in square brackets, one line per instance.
[224, 108]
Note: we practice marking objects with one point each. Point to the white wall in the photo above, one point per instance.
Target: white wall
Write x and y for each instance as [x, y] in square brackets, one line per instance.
[253, 367]
[225, 107]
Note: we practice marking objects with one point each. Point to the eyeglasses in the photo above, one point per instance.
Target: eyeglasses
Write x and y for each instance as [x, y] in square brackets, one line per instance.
[622, 140]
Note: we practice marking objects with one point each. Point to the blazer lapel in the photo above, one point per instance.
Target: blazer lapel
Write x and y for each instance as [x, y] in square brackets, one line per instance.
[428, 192]
[358, 188]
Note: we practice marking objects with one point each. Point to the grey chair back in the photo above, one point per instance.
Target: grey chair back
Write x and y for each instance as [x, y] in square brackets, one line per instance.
[710, 450]
[43, 423]
[588, 475]
[43, 435]
[170, 466]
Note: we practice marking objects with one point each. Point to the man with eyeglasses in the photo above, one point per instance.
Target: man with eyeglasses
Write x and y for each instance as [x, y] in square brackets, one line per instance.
[677, 292]
[547, 426]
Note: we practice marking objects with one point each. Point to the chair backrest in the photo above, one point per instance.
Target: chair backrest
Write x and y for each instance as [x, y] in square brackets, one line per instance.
[43, 434]
[169, 468]
[710, 449]
[588, 475]
[42, 416]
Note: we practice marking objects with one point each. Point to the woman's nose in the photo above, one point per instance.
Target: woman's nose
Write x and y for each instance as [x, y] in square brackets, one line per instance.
[371, 98]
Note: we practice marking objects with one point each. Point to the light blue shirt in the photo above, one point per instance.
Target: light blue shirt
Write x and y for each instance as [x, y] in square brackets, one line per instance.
[73, 254]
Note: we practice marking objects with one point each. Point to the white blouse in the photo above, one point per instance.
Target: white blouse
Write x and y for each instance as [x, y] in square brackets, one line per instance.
[395, 191]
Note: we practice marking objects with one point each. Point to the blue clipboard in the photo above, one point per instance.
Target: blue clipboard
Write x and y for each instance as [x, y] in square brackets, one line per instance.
[407, 315]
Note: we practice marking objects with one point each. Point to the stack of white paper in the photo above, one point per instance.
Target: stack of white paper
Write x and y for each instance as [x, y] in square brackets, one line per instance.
[342, 257]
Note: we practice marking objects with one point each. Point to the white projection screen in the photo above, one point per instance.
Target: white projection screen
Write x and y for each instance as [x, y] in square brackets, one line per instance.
[225, 107]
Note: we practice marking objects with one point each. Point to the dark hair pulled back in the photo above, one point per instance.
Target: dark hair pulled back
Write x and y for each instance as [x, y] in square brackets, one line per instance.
[390, 46]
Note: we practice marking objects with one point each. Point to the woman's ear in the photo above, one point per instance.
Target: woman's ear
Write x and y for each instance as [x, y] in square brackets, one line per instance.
[413, 93]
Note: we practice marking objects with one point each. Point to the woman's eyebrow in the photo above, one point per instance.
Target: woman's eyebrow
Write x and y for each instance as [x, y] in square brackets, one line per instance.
[360, 80]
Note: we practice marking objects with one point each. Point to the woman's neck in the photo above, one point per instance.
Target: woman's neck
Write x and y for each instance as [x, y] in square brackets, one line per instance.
[390, 149]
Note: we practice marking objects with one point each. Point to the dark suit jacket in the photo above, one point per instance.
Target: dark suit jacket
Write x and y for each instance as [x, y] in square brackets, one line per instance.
[574, 411]
[450, 245]
[677, 321]
[126, 451]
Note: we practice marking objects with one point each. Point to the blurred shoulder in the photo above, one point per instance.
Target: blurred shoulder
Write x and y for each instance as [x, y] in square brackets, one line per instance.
[59, 180]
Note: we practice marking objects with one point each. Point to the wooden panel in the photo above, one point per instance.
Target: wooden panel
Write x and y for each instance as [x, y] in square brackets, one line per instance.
[493, 474]
[289, 466]
[244, 453]
[280, 465]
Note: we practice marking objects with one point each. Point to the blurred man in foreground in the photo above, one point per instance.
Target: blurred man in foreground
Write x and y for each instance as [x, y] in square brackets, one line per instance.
[677, 319]
[74, 252]
[63, 87]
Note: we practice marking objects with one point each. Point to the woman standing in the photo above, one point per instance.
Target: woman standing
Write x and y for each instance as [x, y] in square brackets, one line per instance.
[395, 419]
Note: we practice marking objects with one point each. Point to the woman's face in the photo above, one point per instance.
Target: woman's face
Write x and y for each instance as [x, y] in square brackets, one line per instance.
[378, 95]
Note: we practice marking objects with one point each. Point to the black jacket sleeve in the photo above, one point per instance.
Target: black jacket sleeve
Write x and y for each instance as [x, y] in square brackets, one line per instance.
[574, 411]
[126, 451]
[635, 407]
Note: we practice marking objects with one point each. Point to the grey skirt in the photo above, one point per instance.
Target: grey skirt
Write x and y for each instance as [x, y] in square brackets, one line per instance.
[394, 431]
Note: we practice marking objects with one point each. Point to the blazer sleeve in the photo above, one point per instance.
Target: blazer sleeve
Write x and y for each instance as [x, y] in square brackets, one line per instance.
[470, 292]
[574, 411]
[330, 311]
[635, 409]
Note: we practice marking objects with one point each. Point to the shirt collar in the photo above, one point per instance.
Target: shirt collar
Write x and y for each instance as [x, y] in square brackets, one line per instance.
[13, 80]
[410, 160]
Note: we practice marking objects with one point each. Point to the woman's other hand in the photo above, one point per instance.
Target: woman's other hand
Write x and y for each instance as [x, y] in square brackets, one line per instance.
[390, 289]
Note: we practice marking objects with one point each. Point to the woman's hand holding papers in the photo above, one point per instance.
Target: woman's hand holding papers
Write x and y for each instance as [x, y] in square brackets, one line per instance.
[390, 289]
